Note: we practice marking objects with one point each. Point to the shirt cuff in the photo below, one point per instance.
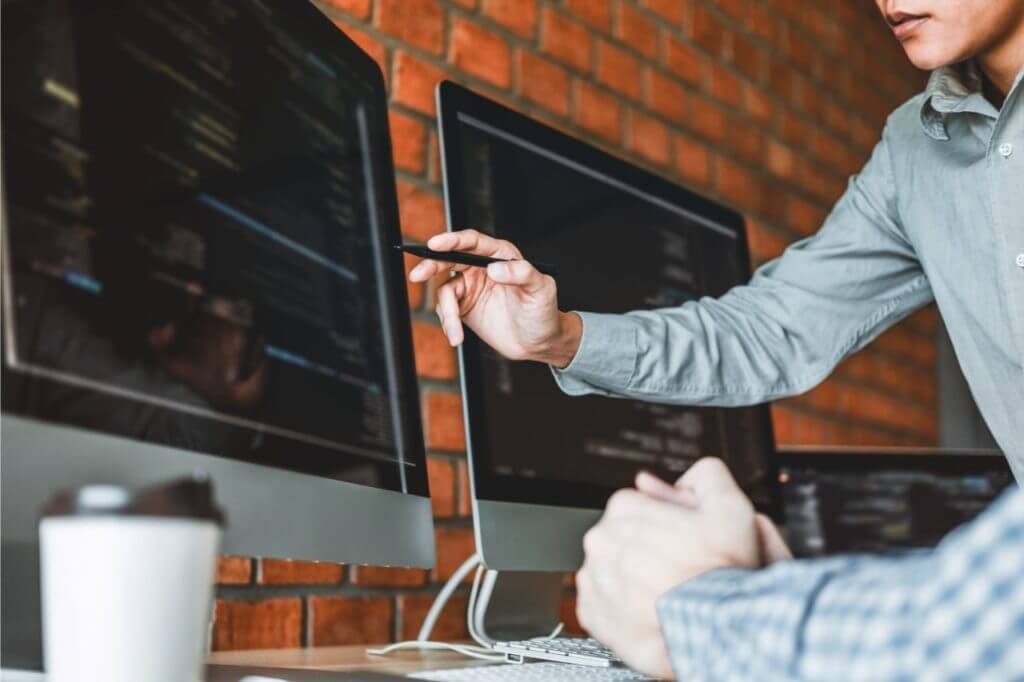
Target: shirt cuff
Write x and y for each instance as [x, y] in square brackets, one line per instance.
[606, 359]
[690, 617]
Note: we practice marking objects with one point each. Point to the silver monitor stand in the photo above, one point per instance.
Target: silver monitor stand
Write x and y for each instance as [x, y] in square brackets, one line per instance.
[516, 605]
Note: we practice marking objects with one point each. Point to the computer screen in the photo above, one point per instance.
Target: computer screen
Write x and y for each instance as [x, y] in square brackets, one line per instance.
[198, 232]
[841, 502]
[622, 240]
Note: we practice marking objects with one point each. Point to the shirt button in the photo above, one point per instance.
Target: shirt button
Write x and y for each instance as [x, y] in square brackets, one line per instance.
[1005, 149]
[1019, 260]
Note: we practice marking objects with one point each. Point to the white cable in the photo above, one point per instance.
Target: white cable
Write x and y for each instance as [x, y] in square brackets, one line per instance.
[471, 615]
[444, 595]
[482, 604]
[557, 631]
[470, 651]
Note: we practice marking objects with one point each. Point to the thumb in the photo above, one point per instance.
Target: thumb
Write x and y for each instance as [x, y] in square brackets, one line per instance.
[773, 547]
[517, 273]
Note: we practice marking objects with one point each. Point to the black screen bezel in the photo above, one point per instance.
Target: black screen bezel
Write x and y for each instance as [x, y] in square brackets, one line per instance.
[854, 461]
[303, 18]
[452, 100]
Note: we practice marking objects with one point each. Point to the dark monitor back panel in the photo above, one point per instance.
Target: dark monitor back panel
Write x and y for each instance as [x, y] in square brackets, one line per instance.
[199, 213]
[878, 501]
[622, 239]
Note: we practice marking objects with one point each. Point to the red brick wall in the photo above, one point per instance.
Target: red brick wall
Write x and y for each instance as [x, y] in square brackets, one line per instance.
[768, 105]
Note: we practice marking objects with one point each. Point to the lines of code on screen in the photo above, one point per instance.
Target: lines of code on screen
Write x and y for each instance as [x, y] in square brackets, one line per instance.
[617, 249]
[830, 512]
[187, 229]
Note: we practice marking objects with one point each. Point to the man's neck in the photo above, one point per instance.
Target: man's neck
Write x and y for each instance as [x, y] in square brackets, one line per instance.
[1001, 63]
[991, 91]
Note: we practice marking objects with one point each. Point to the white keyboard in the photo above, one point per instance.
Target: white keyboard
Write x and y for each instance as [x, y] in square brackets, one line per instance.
[531, 672]
[577, 650]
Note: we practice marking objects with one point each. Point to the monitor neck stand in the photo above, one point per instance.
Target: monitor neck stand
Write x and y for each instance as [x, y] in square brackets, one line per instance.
[518, 605]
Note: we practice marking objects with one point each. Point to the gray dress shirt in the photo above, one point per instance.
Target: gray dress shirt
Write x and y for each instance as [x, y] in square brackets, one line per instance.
[936, 213]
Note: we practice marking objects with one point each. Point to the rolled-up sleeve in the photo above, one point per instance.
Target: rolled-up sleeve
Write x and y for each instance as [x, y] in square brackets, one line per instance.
[954, 613]
[801, 314]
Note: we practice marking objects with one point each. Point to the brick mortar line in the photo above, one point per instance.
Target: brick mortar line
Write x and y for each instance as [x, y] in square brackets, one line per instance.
[832, 418]
[257, 592]
[899, 357]
[916, 365]
[452, 458]
[911, 403]
[846, 415]
[306, 631]
[493, 25]
[438, 385]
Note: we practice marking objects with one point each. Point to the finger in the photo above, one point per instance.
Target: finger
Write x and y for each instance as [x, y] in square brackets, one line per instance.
[458, 284]
[709, 477]
[448, 312]
[773, 546]
[426, 269]
[648, 483]
[518, 273]
[472, 241]
[652, 486]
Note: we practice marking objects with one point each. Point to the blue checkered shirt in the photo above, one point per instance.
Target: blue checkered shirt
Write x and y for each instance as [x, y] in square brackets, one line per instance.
[952, 613]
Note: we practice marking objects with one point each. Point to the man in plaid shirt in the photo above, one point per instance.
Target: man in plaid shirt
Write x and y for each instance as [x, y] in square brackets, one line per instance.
[671, 582]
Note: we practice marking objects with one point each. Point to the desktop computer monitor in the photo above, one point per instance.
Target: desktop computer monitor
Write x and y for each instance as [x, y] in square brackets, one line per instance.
[543, 464]
[843, 500]
[198, 220]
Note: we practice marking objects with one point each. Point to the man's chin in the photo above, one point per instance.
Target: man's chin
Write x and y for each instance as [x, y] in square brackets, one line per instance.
[927, 58]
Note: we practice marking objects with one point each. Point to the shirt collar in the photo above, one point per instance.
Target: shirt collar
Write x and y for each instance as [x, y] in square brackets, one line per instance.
[951, 90]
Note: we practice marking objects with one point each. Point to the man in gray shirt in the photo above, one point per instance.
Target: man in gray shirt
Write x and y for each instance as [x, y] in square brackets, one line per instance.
[937, 213]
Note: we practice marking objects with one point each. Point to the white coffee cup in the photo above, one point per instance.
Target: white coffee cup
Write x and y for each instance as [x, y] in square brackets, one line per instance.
[127, 582]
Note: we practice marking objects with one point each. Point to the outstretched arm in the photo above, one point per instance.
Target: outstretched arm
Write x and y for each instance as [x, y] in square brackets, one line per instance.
[824, 298]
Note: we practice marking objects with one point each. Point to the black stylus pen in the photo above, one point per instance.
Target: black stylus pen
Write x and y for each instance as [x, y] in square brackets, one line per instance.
[467, 258]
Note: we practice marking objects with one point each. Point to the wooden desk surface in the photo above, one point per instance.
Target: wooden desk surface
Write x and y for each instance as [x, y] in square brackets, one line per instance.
[346, 658]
